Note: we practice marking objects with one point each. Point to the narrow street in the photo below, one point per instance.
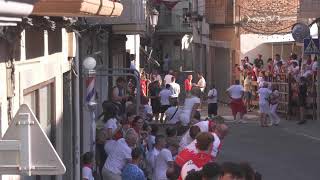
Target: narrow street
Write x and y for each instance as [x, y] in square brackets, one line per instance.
[288, 151]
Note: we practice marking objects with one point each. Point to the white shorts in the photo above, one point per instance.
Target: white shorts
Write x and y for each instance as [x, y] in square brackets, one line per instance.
[264, 108]
[184, 117]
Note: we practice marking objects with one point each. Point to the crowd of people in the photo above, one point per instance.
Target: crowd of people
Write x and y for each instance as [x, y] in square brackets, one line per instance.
[298, 72]
[132, 145]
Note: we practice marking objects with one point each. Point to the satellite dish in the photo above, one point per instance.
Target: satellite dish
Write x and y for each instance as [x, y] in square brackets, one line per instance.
[300, 31]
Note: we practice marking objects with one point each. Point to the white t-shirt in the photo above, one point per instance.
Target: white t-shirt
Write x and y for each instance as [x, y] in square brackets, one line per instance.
[161, 164]
[186, 138]
[185, 141]
[185, 114]
[175, 89]
[235, 91]
[151, 141]
[203, 125]
[264, 94]
[165, 96]
[170, 112]
[87, 173]
[111, 124]
[190, 102]
[167, 79]
[314, 66]
[202, 84]
[188, 166]
[216, 145]
[151, 157]
[213, 93]
[118, 157]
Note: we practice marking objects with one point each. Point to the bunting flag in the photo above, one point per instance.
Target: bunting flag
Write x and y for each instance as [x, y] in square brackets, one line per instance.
[170, 3]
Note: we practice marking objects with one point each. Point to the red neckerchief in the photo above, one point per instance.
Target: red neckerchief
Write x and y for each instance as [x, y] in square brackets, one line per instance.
[88, 166]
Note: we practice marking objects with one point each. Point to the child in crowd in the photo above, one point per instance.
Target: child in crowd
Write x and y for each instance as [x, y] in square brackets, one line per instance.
[87, 165]
[213, 102]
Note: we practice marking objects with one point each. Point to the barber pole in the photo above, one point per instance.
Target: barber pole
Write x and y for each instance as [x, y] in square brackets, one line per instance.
[91, 92]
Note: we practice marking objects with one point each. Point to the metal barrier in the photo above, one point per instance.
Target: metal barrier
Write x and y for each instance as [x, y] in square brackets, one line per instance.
[102, 71]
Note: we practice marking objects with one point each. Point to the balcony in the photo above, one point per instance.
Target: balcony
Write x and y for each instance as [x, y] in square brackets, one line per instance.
[170, 22]
[12, 10]
[132, 19]
[77, 8]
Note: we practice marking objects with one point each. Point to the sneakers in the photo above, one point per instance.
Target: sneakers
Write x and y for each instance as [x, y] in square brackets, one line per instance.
[302, 122]
[243, 121]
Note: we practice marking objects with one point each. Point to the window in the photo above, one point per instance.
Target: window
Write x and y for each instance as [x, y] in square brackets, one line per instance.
[41, 99]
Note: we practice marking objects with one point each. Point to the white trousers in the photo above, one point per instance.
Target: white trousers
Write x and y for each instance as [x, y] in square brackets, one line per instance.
[275, 119]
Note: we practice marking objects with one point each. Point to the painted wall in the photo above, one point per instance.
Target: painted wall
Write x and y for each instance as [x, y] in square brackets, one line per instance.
[30, 72]
[268, 46]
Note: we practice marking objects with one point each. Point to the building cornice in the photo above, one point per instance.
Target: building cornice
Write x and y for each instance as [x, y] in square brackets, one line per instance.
[77, 8]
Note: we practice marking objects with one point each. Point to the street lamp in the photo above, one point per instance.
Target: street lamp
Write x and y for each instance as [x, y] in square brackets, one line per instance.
[89, 64]
[154, 17]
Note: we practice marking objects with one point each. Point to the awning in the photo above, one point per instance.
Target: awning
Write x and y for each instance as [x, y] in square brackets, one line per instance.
[12, 11]
[78, 8]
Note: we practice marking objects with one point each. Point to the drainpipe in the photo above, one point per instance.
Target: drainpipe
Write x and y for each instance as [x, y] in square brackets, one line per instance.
[76, 114]
[318, 77]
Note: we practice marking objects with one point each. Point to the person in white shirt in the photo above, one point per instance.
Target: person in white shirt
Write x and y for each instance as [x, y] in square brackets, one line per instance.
[119, 156]
[164, 100]
[264, 107]
[87, 161]
[163, 163]
[154, 152]
[315, 65]
[191, 104]
[213, 102]
[236, 93]
[175, 89]
[189, 136]
[201, 83]
[168, 77]
[173, 113]
[156, 76]
[219, 134]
